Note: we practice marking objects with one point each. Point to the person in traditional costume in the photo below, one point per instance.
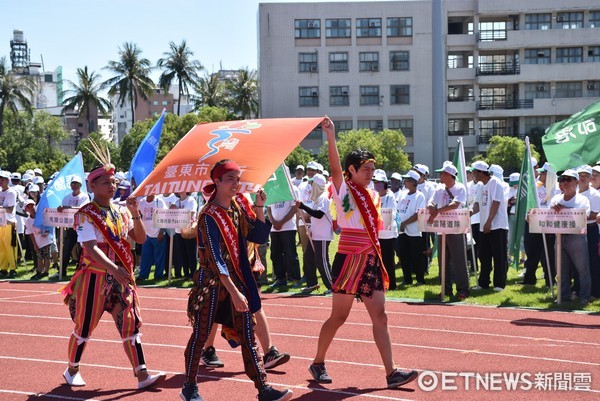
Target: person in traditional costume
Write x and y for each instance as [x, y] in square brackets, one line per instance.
[225, 290]
[104, 281]
[357, 270]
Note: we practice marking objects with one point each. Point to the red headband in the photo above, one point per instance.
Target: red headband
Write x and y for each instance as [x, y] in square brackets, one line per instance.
[108, 169]
[218, 172]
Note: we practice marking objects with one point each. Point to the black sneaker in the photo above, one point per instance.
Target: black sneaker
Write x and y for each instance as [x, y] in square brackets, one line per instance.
[399, 378]
[319, 373]
[270, 394]
[210, 359]
[189, 392]
[12, 274]
[274, 358]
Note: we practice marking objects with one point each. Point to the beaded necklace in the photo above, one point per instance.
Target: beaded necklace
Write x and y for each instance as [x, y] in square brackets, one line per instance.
[113, 221]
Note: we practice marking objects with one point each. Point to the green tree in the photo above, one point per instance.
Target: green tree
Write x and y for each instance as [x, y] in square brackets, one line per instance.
[210, 91]
[86, 149]
[387, 147]
[14, 90]
[178, 64]
[298, 156]
[85, 95]
[242, 93]
[32, 143]
[213, 114]
[507, 152]
[132, 79]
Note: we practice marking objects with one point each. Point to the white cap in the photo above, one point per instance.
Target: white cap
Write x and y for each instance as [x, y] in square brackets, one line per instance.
[480, 165]
[545, 168]
[30, 172]
[319, 179]
[37, 171]
[584, 169]
[448, 168]
[534, 161]
[380, 176]
[514, 178]
[396, 176]
[76, 178]
[5, 174]
[313, 165]
[34, 188]
[38, 180]
[300, 167]
[119, 175]
[28, 202]
[412, 174]
[570, 173]
[26, 177]
[326, 173]
[596, 168]
[497, 171]
[421, 169]
[15, 176]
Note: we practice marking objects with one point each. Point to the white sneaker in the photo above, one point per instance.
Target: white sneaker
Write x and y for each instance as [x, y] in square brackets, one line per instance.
[152, 380]
[477, 287]
[76, 380]
[498, 289]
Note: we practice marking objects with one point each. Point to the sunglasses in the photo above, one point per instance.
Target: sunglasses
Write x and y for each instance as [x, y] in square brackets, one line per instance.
[566, 179]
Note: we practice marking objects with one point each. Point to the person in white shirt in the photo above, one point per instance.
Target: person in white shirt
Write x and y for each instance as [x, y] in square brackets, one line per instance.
[412, 246]
[74, 200]
[184, 250]
[284, 255]
[304, 190]
[493, 241]
[321, 234]
[388, 235]
[574, 250]
[427, 188]
[154, 249]
[593, 196]
[451, 195]
[298, 175]
[472, 188]
[41, 240]
[8, 234]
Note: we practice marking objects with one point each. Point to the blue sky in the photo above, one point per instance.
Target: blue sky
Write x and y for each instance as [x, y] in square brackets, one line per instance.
[74, 34]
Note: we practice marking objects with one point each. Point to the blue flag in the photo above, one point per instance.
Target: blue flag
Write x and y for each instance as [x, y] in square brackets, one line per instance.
[145, 156]
[60, 187]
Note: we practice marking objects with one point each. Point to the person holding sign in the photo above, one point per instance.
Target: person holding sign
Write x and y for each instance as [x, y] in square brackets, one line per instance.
[104, 280]
[451, 195]
[574, 250]
[357, 269]
[224, 287]
[74, 200]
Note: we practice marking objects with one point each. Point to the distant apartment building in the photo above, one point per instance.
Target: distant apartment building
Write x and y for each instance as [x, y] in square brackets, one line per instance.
[511, 66]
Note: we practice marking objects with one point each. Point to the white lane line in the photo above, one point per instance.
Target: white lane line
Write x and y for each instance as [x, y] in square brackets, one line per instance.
[350, 340]
[45, 395]
[390, 326]
[233, 379]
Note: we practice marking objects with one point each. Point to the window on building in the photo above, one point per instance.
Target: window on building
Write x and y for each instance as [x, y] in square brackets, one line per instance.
[307, 62]
[337, 28]
[594, 19]
[593, 88]
[399, 27]
[460, 60]
[368, 28]
[165, 102]
[155, 102]
[461, 127]
[338, 62]
[537, 56]
[493, 30]
[399, 94]
[338, 96]
[537, 90]
[373, 125]
[569, 89]
[539, 122]
[48, 78]
[406, 126]
[399, 61]
[342, 125]
[594, 53]
[488, 128]
[569, 20]
[307, 28]
[369, 61]
[535, 22]
[309, 96]
[569, 55]
[369, 95]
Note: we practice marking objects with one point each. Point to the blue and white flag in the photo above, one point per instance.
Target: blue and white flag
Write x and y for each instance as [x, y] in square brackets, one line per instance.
[60, 187]
[145, 156]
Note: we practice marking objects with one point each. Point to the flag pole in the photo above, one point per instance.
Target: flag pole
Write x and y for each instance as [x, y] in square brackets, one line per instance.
[463, 168]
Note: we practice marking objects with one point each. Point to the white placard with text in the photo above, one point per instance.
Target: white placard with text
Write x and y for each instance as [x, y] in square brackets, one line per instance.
[452, 222]
[549, 221]
[54, 218]
[171, 218]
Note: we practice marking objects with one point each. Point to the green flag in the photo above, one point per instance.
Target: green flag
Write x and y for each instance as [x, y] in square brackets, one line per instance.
[575, 141]
[526, 199]
[459, 162]
[279, 186]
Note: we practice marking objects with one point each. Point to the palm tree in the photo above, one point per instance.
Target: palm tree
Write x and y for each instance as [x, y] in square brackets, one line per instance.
[84, 96]
[14, 90]
[131, 80]
[178, 64]
[243, 93]
[210, 91]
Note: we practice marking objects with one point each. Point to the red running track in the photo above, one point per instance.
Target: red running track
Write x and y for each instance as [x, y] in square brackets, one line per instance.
[473, 350]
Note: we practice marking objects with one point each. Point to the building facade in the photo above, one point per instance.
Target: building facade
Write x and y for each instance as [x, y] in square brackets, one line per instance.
[512, 67]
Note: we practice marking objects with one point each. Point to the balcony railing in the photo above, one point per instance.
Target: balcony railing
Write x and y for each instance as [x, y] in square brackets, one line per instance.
[485, 139]
[491, 36]
[462, 132]
[465, 98]
[498, 69]
[504, 105]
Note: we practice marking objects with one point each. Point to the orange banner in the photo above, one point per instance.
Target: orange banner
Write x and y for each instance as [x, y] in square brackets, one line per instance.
[257, 146]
